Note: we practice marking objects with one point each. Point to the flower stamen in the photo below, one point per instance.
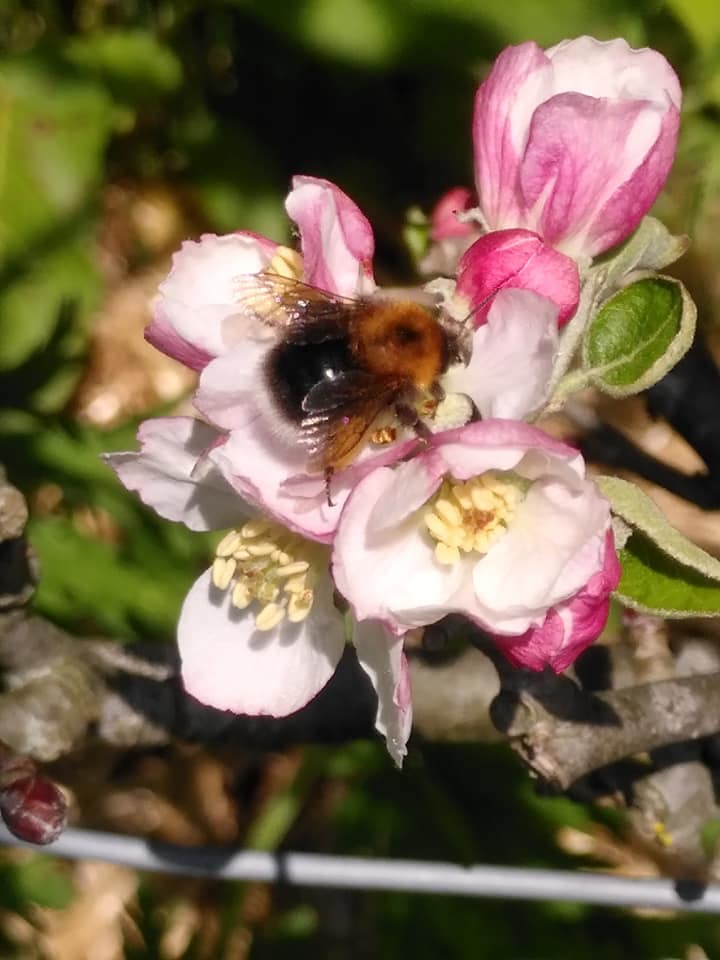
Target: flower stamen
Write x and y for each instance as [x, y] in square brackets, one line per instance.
[262, 562]
[471, 515]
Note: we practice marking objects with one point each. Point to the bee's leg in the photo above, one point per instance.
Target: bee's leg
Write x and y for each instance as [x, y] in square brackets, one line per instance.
[437, 392]
[329, 471]
[408, 417]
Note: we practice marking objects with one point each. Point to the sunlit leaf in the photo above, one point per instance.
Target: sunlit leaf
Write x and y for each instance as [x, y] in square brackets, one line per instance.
[638, 335]
[662, 571]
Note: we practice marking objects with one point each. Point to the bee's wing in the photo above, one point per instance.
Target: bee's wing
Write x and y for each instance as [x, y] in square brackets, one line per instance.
[339, 413]
[287, 304]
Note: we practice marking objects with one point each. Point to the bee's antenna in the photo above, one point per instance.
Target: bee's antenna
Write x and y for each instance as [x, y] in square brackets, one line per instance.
[478, 306]
[328, 477]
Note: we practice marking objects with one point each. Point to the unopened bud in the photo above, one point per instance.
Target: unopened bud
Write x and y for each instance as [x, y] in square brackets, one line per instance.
[32, 807]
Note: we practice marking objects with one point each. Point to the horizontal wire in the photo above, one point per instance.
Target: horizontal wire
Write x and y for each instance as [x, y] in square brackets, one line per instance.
[357, 873]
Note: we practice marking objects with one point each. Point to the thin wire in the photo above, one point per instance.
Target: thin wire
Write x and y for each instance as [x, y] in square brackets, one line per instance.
[409, 876]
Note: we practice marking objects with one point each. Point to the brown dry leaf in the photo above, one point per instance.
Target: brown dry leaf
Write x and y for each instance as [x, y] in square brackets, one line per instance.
[96, 925]
[125, 376]
[658, 438]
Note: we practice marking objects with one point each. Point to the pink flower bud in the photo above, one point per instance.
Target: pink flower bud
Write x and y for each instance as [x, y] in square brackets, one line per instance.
[33, 808]
[575, 142]
[516, 259]
[444, 222]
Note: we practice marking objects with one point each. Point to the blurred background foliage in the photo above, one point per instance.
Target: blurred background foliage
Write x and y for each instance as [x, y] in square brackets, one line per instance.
[126, 126]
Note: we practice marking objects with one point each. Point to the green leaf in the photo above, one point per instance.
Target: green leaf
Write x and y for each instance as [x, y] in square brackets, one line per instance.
[710, 836]
[133, 64]
[701, 18]
[638, 335]
[45, 882]
[50, 296]
[84, 579]
[662, 571]
[652, 247]
[53, 131]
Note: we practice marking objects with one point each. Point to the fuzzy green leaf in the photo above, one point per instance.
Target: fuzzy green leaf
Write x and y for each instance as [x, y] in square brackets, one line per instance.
[638, 335]
[663, 572]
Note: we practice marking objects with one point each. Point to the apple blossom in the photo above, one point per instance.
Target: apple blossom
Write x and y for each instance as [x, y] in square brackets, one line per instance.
[574, 142]
[496, 521]
[259, 631]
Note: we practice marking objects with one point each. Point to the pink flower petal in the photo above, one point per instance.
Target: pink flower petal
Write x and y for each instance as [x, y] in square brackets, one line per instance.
[612, 68]
[200, 292]
[381, 656]
[520, 79]
[512, 358]
[174, 475]
[575, 143]
[256, 463]
[163, 336]
[498, 445]
[393, 569]
[564, 529]
[573, 184]
[226, 663]
[521, 260]
[444, 222]
[570, 627]
[337, 240]
[231, 386]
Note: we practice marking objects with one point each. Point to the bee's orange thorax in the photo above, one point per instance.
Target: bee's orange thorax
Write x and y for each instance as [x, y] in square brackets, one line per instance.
[399, 338]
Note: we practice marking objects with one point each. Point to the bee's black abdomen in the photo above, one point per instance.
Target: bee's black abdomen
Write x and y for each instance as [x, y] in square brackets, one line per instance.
[292, 369]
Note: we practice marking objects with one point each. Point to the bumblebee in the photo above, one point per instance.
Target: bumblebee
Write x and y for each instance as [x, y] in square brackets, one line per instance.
[340, 364]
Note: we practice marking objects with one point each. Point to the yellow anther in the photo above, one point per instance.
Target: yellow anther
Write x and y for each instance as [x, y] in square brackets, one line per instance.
[263, 549]
[270, 616]
[253, 528]
[264, 563]
[483, 499]
[460, 493]
[223, 570]
[446, 555]
[229, 544]
[295, 584]
[299, 606]
[449, 512]
[437, 527]
[290, 569]
[470, 516]
[241, 596]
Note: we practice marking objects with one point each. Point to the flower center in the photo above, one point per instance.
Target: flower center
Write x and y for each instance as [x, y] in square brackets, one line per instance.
[473, 514]
[263, 562]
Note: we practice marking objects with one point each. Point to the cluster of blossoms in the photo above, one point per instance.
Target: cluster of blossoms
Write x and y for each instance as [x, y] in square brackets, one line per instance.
[488, 516]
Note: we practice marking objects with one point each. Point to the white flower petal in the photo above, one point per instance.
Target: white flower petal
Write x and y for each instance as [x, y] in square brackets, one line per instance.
[381, 656]
[554, 545]
[386, 575]
[228, 664]
[174, 475]
[200, 292]
[512, 359]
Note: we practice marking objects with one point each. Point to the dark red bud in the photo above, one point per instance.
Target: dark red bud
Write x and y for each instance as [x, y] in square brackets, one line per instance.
[33, 808]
